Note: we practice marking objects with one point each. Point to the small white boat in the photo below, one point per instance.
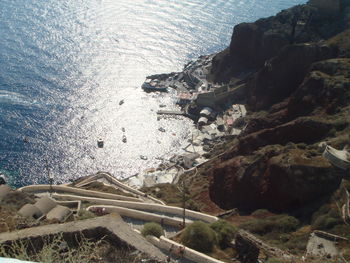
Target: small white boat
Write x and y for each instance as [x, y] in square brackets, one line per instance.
[143, 157]
[100, 143]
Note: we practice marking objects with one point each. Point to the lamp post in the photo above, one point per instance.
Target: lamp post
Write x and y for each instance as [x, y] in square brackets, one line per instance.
[50, 177]
[51, 182]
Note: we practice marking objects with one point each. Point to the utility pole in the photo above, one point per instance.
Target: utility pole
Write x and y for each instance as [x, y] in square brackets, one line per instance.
[183, 204]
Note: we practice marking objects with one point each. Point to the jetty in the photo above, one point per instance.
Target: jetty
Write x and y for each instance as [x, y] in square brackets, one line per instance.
[169, 112]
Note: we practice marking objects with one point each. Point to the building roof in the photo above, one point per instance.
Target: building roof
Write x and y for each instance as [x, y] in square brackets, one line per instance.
[30, 210]
[4, 190]
[45, 204]
[203, 120]
[61, 213]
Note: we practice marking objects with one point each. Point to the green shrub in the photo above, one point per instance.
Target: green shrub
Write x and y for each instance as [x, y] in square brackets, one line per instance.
[257, 226]
[326, 218]
[286, 223]
[152, 229]
[325, 222]
[260, 212]
[277, 224]
[274, 260]
[225, 232]
[199, 236]
[54, 249]
[85, 214]
[302, 146]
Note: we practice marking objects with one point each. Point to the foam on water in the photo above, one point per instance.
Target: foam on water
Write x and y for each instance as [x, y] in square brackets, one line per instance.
[65, 65]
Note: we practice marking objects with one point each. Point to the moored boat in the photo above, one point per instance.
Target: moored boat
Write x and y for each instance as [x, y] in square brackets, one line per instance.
[100, 143]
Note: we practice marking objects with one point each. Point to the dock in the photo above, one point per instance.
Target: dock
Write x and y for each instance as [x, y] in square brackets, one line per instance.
[169, 112]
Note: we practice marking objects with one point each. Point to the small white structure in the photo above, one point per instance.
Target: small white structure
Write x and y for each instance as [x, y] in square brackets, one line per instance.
[202, 121]
[206, 112]
[189, 159]
[340, 159]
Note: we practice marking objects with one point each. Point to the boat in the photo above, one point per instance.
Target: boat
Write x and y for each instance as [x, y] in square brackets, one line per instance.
[100, 143]
[143, 157]
[124, 139]
[121, 102]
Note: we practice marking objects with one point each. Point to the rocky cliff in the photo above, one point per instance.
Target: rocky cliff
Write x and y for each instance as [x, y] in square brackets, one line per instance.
[296, 70]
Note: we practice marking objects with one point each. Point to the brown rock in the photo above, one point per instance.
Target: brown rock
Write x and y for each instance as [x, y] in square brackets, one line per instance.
[301, 130]
[276, 178]
[283, 74]
[325, 89]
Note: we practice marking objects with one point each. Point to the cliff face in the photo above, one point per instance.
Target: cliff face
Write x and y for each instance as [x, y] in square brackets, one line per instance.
[252, 44]
[273, 177]
[298, 93]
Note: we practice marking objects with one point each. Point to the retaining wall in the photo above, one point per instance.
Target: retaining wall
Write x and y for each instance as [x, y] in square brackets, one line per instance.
[111, 228]
[145, 216]
[166, 244]
[77, 191]
[113, 180]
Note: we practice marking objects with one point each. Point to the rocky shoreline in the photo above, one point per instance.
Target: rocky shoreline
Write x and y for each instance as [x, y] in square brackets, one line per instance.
[217, 110]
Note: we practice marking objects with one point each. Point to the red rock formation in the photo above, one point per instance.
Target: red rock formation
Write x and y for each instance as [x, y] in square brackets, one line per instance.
[274, 178]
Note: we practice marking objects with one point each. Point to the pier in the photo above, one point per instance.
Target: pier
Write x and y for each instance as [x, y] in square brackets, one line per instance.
[169, 112]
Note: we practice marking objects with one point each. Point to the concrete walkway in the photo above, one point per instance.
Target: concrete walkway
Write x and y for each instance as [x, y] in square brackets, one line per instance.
[37, 189]
[111, 226]
[107, 177]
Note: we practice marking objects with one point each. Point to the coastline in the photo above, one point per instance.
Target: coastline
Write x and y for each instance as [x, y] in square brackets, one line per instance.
[217, 110]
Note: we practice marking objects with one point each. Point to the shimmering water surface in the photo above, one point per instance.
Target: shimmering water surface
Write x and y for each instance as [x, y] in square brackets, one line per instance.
[66, 64]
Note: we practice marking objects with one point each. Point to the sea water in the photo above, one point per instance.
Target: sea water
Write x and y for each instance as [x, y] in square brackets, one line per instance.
[65, 65]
